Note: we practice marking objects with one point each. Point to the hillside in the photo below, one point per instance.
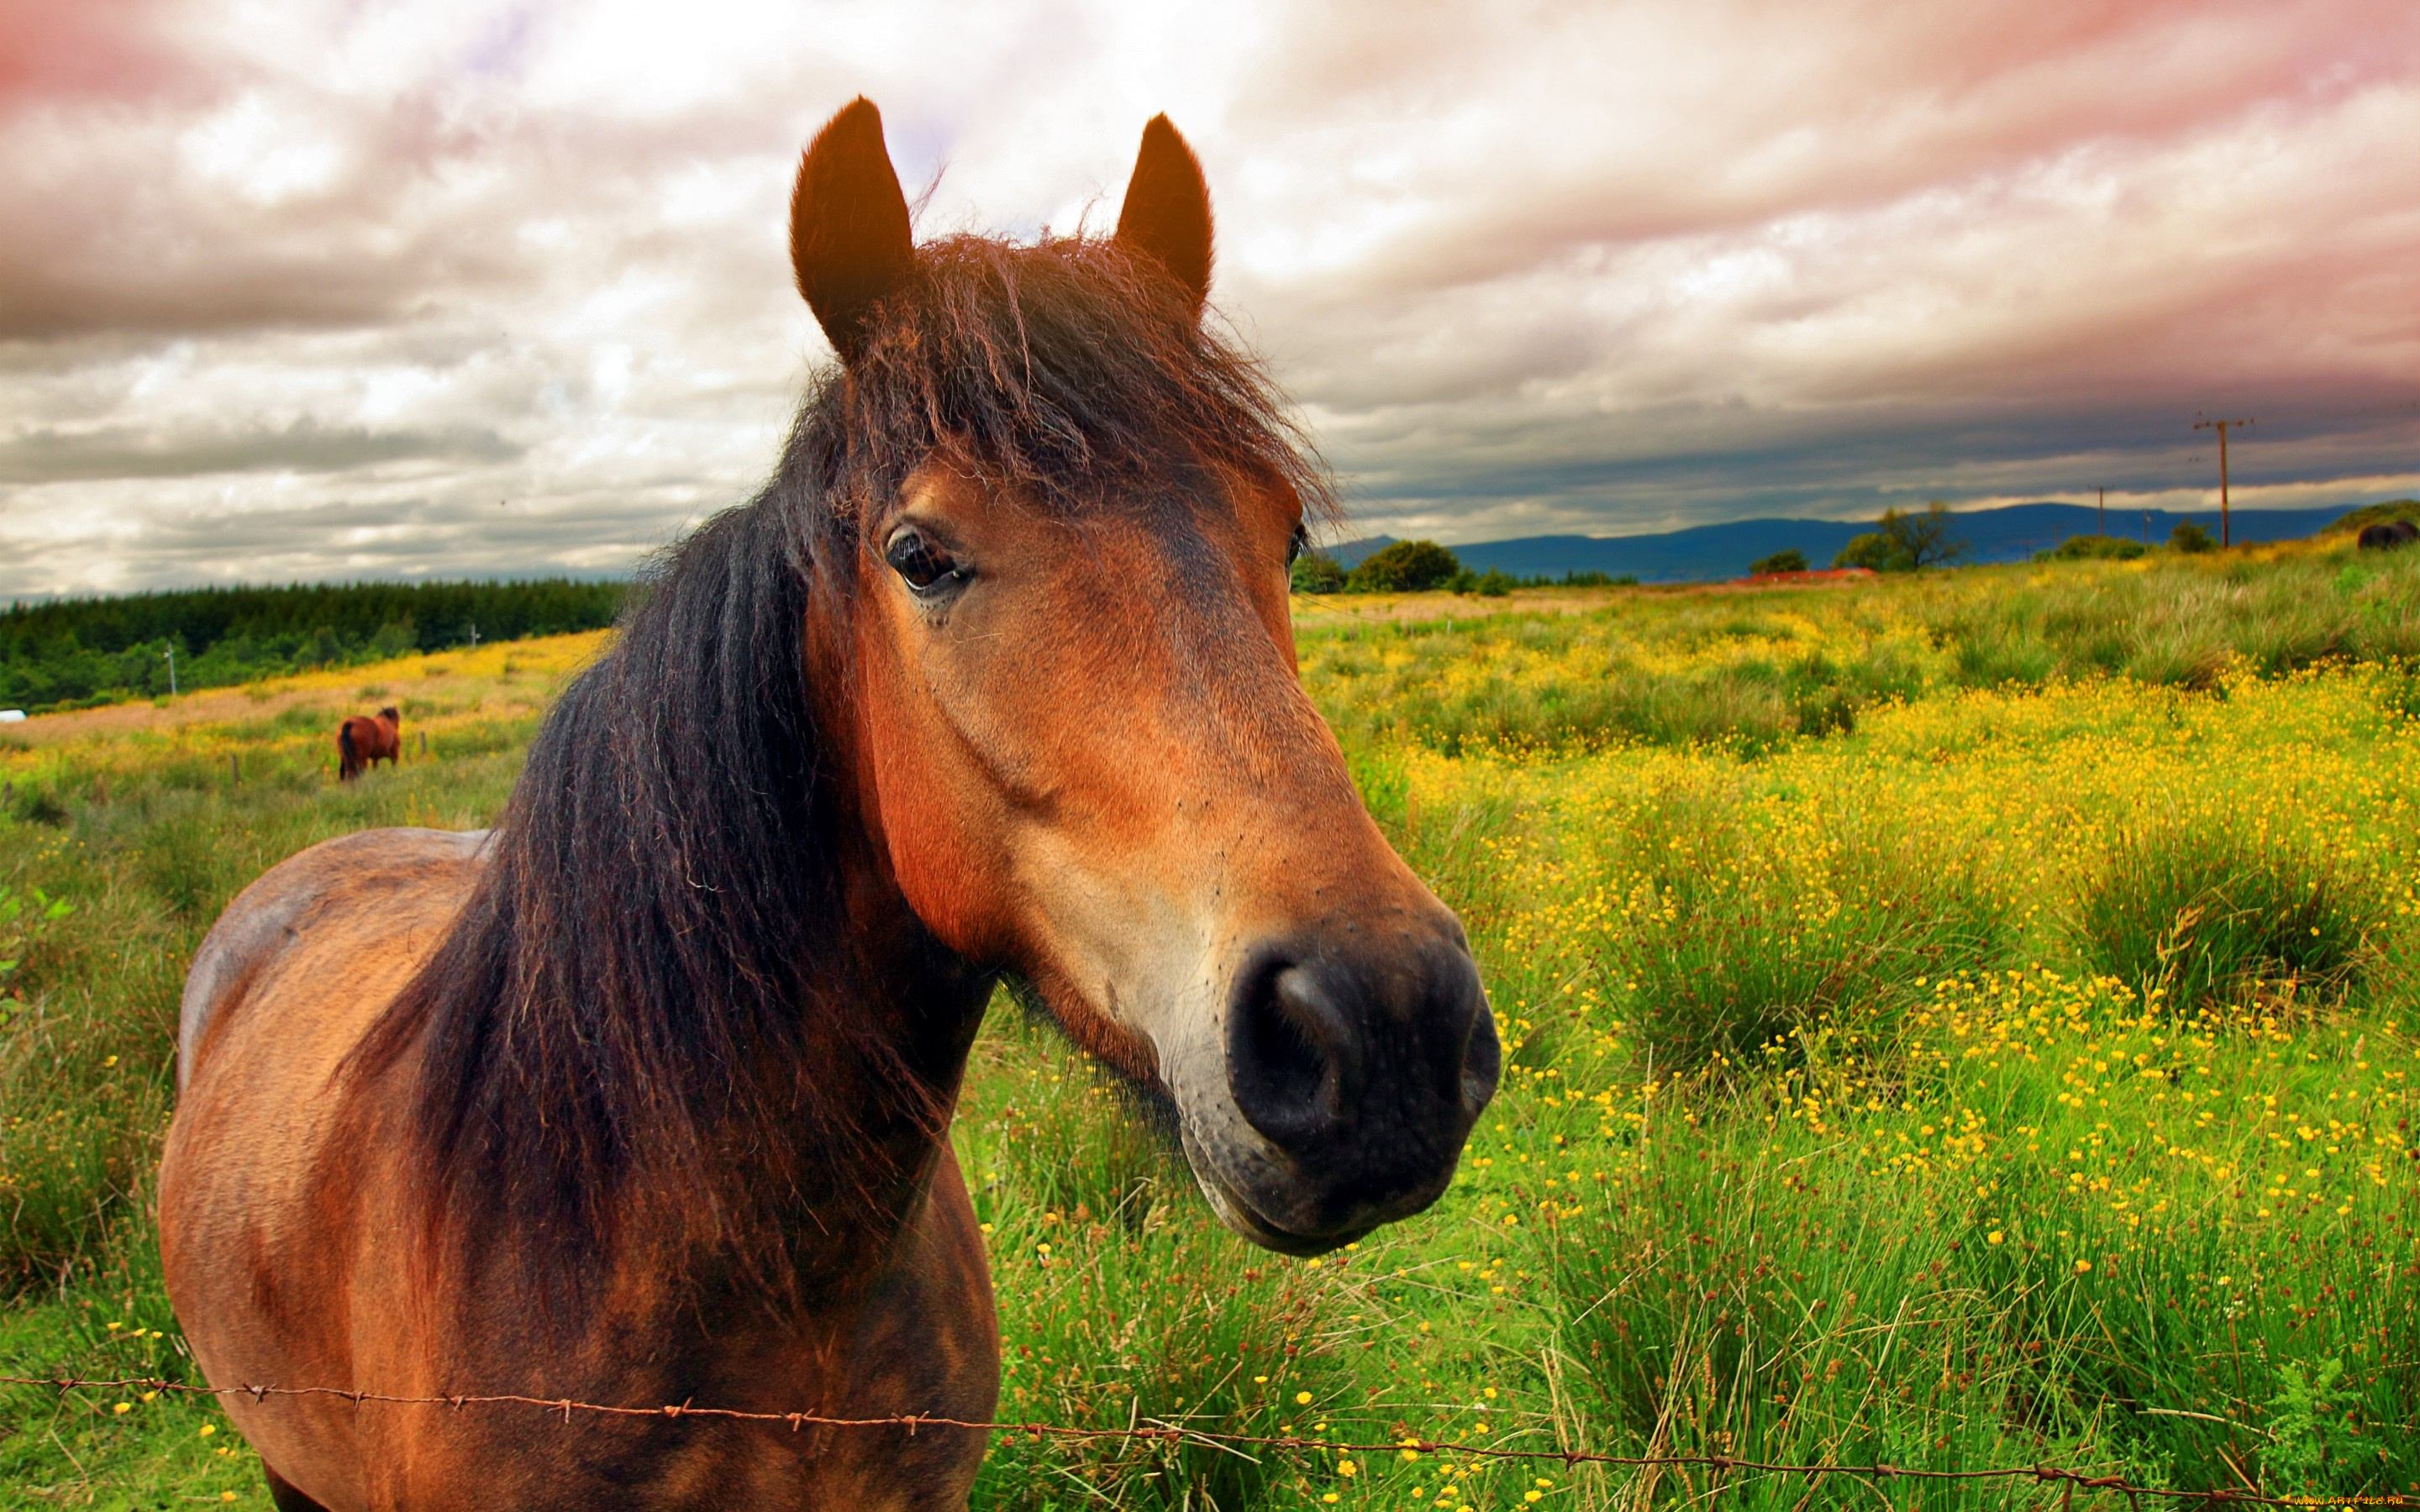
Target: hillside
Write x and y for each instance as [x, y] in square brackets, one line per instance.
[1705, 552]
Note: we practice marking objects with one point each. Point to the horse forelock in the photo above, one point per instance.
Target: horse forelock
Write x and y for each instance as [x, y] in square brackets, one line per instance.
[1063, 370]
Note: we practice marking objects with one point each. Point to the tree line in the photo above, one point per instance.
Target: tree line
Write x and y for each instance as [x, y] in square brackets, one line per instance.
[1416, 566]
[75, 652]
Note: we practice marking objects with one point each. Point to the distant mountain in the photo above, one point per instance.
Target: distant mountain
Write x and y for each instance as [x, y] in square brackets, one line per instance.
[1707, 553]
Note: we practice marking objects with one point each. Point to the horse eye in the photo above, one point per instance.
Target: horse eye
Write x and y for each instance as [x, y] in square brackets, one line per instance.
[918, 561]
[1298, 545]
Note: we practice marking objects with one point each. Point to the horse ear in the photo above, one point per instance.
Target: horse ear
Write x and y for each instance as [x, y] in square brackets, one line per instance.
[850, 241]
[1167, 213]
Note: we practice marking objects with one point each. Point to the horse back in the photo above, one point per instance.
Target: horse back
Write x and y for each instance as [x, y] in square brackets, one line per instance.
[341, 892]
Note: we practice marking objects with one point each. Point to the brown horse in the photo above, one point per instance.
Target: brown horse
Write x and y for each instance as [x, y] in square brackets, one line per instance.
[644, 1097]
[363, 742]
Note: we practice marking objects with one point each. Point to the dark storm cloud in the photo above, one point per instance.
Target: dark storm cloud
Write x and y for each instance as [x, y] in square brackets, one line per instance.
[1499, 475]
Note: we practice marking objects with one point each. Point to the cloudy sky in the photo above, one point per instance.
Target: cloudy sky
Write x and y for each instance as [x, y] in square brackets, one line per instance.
[366, 289]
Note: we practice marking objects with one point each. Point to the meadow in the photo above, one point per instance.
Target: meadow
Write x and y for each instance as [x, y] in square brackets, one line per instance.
[1959, 1020]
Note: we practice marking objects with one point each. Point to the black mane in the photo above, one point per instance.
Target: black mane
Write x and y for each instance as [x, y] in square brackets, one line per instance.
[659, 918]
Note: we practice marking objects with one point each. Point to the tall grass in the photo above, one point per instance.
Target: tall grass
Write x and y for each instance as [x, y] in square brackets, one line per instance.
[1713, 927]
[1119, 1305]
[2195, 914]
[1756, 941]
[1851, 1265]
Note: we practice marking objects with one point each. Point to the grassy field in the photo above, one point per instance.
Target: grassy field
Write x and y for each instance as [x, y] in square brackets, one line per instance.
[1959, 1021]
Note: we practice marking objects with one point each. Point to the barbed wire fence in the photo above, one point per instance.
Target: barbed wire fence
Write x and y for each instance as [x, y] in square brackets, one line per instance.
[2070, 1480]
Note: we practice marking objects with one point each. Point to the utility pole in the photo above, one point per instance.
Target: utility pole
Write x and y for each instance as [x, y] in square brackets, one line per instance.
[172, 671]
[474, 635]
[2226, 520]
[2104, 513]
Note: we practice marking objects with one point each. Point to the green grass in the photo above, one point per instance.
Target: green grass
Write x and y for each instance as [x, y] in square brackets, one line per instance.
[1831, 1059]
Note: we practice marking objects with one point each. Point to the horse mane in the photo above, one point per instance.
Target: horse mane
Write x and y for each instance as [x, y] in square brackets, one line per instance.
[661, 916]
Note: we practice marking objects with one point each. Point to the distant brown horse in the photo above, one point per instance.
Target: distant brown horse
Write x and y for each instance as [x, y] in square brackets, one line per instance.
[643, 1096]
[363, 741]
[2388, 535]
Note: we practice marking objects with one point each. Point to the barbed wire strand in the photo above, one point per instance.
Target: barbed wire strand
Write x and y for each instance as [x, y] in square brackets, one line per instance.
[2069, 1479]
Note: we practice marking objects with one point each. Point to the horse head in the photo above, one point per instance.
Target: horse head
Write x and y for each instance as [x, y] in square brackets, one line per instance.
[1056, 563]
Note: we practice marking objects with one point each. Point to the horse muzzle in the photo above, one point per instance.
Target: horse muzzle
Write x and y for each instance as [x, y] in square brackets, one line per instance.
[1349, 1076]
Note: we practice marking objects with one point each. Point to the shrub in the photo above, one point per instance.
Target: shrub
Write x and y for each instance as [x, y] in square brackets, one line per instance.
[17, 927]
[1788, 558]
[41, 806]
[1872, 551]
[1404, 568]
[2315, 1439]
[2093, 548]
[2191, 539]
[1316, 572]
[2201, 913]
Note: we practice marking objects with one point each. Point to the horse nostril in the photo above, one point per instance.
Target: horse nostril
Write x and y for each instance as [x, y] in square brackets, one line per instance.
[1482, 1062]
[1288, 1048]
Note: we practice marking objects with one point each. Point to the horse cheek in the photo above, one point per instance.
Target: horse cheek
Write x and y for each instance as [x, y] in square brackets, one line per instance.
[944, 883]
[942, 854]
